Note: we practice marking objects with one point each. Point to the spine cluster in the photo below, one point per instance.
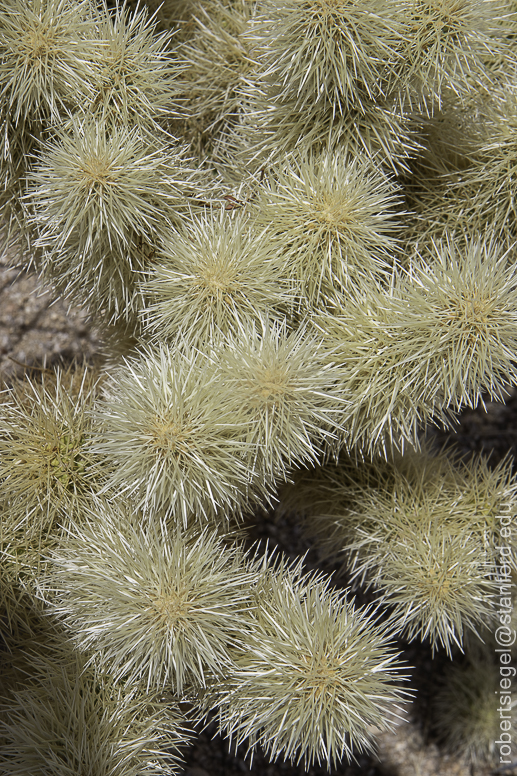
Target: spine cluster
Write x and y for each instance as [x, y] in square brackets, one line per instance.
[297, 223]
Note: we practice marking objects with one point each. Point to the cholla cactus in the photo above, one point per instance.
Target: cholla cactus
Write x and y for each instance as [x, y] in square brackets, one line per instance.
[173, 15]
[47, 64]
[269, 129]
[383, 377]
[422, 532]
[353, 55]
[47, 54]
[69, 718]
[335, 218]
[160, 606]
[20, 570]
[93, 198]
[465, 708]
[434, 340]
[169, 437]
[315, 673]
[136, 81]
[339, 54]
[339, 73]
[282, 395]
[46, 469]
[48, 477]
[278, 307]
[487, 201]
[467, 303]
[448, 44]
[218, 64]
[213, 278]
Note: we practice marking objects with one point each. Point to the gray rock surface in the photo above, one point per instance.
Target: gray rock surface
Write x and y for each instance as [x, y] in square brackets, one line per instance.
[36, 330]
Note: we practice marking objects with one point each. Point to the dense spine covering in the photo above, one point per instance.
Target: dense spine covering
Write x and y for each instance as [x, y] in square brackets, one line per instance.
[301, 219]
[312, 676]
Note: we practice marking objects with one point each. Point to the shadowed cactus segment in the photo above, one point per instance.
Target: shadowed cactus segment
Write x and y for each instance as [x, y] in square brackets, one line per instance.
[71, 717]
[46, 467]
[421, 530]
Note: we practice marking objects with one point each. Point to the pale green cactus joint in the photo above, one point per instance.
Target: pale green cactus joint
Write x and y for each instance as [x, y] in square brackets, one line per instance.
[296, 225]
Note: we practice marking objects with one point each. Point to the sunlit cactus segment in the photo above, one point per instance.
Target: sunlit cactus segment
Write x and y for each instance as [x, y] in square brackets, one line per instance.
[216, 276]
[316, 676]
[160, 606]
[47, 57]
[170, 438]
[422, 531]
[335, 217]
[283, 395]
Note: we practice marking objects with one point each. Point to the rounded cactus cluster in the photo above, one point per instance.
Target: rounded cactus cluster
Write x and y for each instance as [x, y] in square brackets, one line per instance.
[293, 226]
